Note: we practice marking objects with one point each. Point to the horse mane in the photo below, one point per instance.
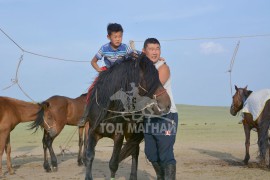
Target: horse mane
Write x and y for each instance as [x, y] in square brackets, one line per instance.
[248, 93]
[119, 76]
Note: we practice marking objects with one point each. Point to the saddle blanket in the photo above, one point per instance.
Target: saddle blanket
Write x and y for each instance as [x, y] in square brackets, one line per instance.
[256, 102]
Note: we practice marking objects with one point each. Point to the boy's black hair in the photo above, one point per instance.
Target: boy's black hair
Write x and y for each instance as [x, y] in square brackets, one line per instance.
[150, 41]
[114, 27]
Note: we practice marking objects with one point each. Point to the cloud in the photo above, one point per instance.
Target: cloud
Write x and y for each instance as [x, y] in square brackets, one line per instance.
[211, 48]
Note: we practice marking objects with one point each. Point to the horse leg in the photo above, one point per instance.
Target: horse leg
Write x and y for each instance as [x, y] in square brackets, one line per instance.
[3, 139]
[114, 161]
[262, 143]
[8, 152]
[247, 142]
[46, 164]
[80, 155]
[86, 128]
[53, 157]
[134, 165]
[90, 154]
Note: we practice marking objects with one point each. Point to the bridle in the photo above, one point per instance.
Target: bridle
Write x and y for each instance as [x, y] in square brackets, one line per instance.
[154, 95]
[147, 106]
[243, 99]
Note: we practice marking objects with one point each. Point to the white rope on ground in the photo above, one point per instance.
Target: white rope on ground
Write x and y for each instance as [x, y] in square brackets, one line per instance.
[64, 147]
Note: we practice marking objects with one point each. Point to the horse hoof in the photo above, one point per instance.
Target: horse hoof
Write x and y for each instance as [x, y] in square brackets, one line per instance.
[48, 170]
[11, 172]
[54, 169]
[245, 162]
[80, 163]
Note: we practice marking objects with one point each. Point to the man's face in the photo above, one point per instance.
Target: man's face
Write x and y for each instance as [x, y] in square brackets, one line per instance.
[115, 38]
[152, 51]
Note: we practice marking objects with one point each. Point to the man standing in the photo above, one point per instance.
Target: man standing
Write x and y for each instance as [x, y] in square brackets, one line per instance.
[159, 144]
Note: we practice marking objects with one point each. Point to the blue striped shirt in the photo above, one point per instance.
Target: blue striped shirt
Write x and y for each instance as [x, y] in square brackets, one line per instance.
[111, 56]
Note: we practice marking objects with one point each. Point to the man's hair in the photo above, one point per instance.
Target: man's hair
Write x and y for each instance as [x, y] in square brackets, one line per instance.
[150, 41]
[114, 27]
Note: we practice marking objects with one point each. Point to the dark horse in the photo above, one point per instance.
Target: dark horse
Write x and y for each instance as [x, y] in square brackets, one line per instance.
[13, 112]
[261, 123]
[101, 111]
[56, 112]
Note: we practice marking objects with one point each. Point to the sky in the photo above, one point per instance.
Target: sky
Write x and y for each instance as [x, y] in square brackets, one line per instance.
[77, 29]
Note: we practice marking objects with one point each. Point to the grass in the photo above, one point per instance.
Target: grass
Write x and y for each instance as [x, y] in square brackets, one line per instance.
[196, 124]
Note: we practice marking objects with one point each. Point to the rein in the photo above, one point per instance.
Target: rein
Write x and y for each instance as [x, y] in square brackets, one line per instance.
[154, 95]
[131, 112]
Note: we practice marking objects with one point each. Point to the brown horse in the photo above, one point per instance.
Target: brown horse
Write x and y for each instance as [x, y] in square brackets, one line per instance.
[13, 112]
[56, 112]
[261, 123]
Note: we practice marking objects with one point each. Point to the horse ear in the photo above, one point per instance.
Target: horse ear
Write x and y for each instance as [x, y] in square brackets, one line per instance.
[236, 88]
[246, 92]
[246, 87]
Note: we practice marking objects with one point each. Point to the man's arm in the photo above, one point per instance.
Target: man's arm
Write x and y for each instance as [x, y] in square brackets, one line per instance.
[164, 73]
[95, 65]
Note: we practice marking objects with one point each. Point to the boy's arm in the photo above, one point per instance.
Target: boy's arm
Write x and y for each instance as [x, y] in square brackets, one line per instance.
[95, 65]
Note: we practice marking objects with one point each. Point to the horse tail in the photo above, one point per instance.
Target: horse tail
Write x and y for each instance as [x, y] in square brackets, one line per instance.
[263, 133]
[39, 120]
[131, 146]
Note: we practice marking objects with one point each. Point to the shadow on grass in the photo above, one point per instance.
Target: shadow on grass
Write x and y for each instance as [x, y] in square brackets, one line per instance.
[230, 160]
[25, 148]
[226, 157]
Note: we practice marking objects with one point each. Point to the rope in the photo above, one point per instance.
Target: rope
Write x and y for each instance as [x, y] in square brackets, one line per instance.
[66, 143]
[11, 39]
[232, 63]
[36, 54]
[123, 112]
[212, 38]
[16, 80]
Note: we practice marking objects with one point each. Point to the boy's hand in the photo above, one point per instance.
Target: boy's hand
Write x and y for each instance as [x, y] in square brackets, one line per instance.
[99, 70]
[161, 59]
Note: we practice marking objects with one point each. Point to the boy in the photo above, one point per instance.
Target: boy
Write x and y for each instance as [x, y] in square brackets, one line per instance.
[114, 51]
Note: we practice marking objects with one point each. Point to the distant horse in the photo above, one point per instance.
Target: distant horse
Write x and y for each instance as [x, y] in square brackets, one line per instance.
[101, 110]
[13, 112]
[56, 112]
[261, 123]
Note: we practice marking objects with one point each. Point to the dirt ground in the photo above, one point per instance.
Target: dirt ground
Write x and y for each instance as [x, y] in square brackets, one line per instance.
[206, 148]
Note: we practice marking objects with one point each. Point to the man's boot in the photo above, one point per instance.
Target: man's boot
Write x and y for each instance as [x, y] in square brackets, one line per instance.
[170, 172]
[159, 171]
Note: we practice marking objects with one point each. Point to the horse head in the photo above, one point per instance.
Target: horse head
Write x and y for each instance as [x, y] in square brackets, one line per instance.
[239, 99]
[150, 86]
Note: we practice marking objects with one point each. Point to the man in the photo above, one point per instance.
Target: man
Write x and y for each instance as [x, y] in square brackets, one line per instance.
[159, 144]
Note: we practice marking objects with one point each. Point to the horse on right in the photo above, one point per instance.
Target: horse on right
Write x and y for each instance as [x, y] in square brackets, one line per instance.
[255, 108]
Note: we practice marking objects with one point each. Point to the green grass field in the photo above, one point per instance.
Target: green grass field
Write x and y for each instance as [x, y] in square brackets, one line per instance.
[196, 123]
